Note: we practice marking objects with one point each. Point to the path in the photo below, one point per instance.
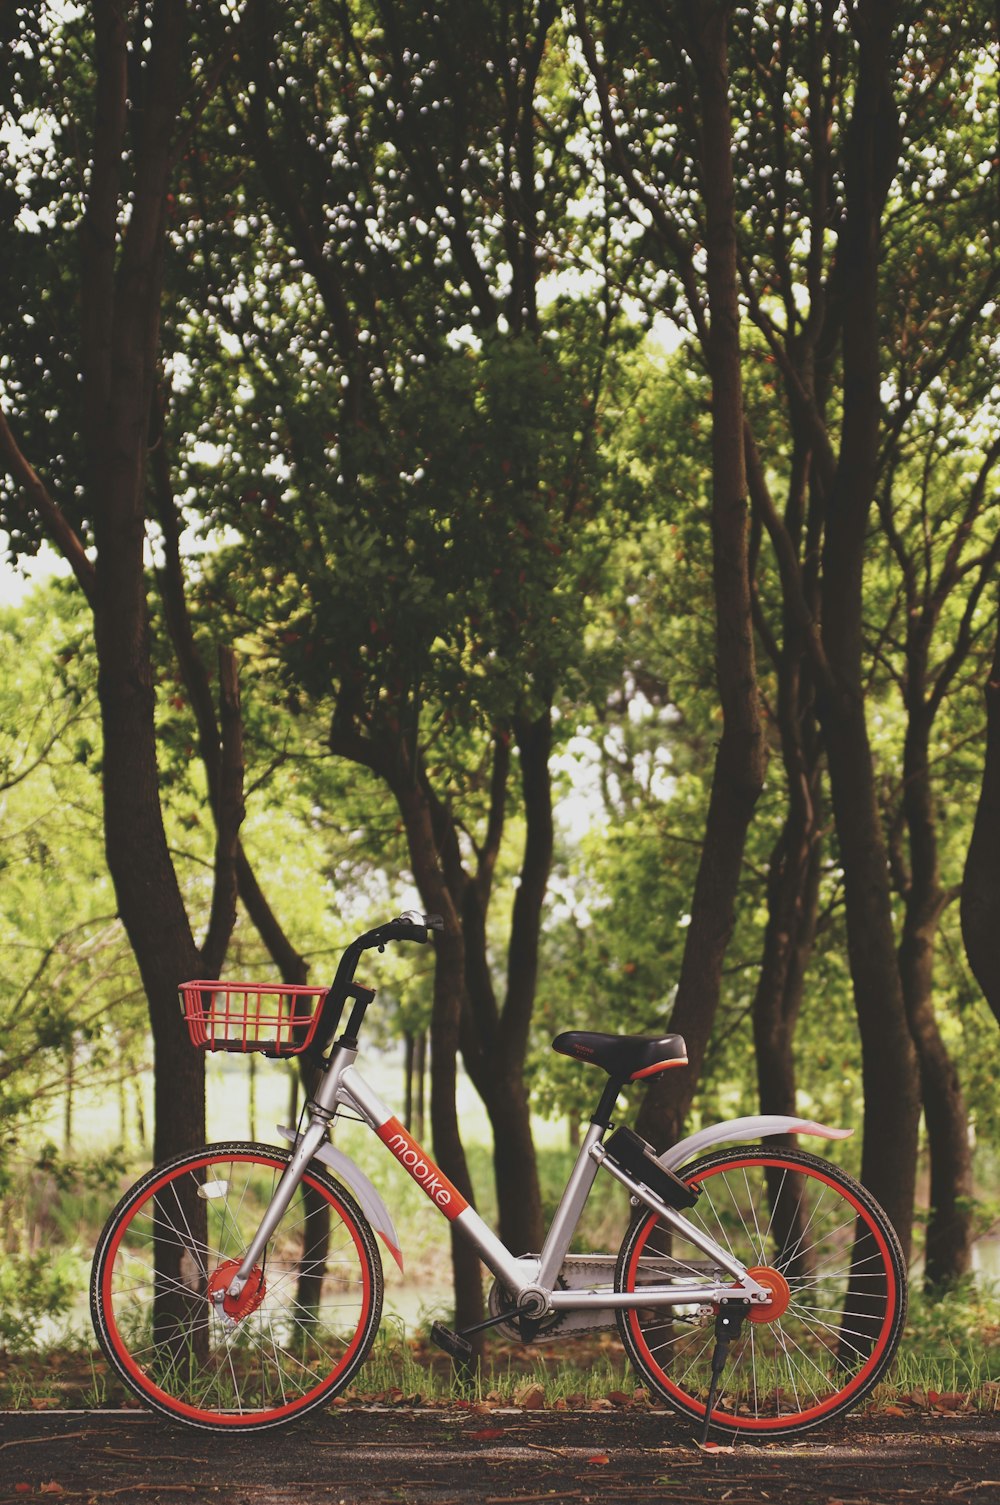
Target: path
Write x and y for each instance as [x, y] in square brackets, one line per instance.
[455, 1457]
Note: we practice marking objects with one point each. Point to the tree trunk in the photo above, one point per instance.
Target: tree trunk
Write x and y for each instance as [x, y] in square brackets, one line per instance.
[514, 1161]
[889, 1068]
[69, 1056]
[739, 766]
[252, 1094]
[949, 1228]
[420, 1074]
[793, 895]
[149, 899]
[449, 996]
[449, 983]
[981, 880]
[495, 1040]
[408, 1055]
[948, 1253]
[120, 307]
[137, 107]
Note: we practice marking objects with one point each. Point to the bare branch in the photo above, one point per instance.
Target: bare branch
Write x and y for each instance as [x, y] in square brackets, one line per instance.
[51, 516]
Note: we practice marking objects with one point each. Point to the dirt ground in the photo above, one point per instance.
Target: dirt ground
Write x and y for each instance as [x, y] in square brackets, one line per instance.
[454, 1457]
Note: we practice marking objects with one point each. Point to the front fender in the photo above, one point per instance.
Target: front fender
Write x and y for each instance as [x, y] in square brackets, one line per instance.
[368, 1198]
[755, 1126]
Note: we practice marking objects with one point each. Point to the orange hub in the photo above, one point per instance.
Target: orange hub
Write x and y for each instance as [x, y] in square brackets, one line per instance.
[775, 1282]
[251, 1295]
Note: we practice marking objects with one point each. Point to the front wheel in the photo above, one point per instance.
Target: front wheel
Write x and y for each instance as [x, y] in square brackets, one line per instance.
[300, 1329]
[823, 1247]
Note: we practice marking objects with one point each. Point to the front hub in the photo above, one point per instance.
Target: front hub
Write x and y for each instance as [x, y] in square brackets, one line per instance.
[249, 1299]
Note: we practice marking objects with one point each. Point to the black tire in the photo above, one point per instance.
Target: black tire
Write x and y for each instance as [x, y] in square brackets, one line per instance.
[277, 1356]
[830, 1253]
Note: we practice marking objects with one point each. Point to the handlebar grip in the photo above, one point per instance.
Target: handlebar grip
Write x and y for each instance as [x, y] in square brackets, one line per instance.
[405, 930]
[413, 926]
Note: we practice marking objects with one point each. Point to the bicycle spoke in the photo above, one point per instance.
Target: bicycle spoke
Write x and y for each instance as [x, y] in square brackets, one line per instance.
[821, 1350]
[302, 1321]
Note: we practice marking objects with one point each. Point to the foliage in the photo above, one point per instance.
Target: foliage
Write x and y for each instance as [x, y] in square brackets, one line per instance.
[432, 473]
[33, 1288]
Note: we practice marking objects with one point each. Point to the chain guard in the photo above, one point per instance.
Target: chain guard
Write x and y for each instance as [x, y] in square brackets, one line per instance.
[582, 1272]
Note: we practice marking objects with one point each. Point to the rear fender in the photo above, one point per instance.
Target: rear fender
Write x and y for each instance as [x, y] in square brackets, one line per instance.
[353, 1176]
[755, 1126]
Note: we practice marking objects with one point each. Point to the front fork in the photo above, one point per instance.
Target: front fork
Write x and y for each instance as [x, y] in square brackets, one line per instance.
[284, 1192]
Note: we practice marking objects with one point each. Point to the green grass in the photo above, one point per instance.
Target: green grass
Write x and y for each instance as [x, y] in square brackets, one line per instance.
[588, 1369]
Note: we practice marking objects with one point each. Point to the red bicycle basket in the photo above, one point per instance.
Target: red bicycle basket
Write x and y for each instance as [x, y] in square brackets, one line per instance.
[276, 1019]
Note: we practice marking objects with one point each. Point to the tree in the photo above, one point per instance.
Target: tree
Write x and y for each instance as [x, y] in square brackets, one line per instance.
[446, 426]
[134, 74]
[713, 309]
[822, 141]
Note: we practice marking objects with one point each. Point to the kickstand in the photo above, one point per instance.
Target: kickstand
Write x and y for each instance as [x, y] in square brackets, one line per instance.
[728, 1325]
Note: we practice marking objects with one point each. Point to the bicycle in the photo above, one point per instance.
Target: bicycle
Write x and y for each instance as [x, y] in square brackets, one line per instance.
[757, 1290]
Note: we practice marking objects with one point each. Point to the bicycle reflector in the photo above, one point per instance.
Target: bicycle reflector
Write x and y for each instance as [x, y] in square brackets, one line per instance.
[272, 1019]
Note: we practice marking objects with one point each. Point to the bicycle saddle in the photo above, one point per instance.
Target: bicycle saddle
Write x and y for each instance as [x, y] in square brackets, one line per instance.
[627, 1057]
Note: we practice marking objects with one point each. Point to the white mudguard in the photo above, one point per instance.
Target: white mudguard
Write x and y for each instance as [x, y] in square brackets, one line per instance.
[755, 1126]
[353, 1176]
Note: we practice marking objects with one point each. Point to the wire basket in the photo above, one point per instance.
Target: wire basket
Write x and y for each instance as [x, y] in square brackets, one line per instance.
[273, 1019]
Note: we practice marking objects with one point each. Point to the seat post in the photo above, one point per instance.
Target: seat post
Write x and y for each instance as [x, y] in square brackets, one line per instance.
[602, 1113]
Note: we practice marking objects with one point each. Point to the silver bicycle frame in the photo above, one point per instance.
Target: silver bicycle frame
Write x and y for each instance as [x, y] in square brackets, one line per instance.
[531, 1278]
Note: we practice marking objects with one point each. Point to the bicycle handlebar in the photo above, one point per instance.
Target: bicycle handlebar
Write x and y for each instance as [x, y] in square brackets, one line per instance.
[409, 926]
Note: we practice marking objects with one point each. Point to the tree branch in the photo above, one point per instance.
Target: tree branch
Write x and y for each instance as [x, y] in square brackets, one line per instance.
[788, 563]
[51, 516]
[229, 813]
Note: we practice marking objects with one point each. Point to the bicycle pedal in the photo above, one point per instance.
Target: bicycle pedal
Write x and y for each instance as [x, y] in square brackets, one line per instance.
[453, 1343]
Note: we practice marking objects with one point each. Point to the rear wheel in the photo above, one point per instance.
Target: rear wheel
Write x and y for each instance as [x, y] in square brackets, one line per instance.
[824, 1248]
[299, 1331]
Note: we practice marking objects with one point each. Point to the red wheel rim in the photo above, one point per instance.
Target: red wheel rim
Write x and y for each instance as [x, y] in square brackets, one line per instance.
[183, 1408]
[809, 1414]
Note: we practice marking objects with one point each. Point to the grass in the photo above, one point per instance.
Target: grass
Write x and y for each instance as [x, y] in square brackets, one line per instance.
[949, 1360]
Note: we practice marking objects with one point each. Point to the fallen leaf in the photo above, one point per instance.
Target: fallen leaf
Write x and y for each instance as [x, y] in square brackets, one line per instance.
[22, 1489]
[599, 1458]
[619, 1398]
[486, 1434]
[949, 1400]
[530, 1397]
[53, 1487]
